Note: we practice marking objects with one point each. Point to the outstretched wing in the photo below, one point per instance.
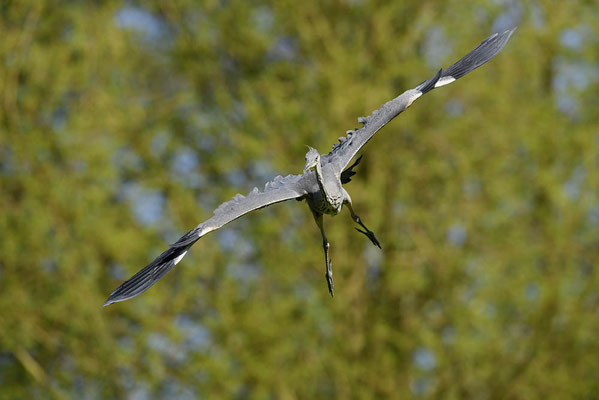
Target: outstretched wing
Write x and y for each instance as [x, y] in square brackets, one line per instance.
[349, 145]
[280, 189]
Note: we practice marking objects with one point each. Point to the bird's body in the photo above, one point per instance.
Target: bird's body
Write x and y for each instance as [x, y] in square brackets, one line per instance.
[321, 184]
[328, 196]
[329, 204]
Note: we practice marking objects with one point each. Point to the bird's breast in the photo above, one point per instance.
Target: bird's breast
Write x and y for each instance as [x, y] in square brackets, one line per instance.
[322, 204]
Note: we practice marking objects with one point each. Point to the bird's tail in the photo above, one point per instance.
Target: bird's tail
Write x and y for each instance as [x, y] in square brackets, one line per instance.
[149, 275]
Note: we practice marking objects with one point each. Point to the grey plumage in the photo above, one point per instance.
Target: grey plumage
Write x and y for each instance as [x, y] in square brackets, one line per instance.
[320, 184]
[343, 152]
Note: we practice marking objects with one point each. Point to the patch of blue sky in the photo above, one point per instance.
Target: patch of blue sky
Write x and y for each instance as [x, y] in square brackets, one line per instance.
[245, 273]
[159, 144]
[532, 291]
[571, 74]
[48, 265]
[593, 215]
[374, 260]
[575, 38]
[140, 392]
[490, 310]
[117, 271]
[573, 186]
[184, 168]
[283, 49]
[7, 161]
[197, 337]
[263, 18]
[537, 15]
[166, 347]
[471, 187]
[59, 119]
[571, 77]
[138, 19]
[509, 18]
[239, 112]
[147, 205]
[454, 108]
[236, 177]
[571, 38]
[424, 359]
[436, 48]
[173, 389]
[231, 240]
[421, 386]
[448, 335]
[456, 234]
[125, 158]
[262, 171]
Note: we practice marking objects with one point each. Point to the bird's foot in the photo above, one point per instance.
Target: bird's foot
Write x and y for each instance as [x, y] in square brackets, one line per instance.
[329, 276]
[370, 235]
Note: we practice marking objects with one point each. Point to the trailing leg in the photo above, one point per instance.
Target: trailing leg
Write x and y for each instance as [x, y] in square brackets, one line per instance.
[369, 234]
[325, 245]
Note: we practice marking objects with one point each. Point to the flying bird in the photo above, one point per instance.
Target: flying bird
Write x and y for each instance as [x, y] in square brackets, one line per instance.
[320, 185]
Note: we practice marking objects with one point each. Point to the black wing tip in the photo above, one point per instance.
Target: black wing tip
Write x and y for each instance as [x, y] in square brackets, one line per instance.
[491, 46]
[119, 294]
[111, 300]
[147, 276]
[126, 291]
[508, 34]
[429, 85]
[502, 38]
[483, 53]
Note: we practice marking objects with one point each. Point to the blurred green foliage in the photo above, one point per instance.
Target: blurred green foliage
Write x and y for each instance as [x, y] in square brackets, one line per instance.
[123, 124]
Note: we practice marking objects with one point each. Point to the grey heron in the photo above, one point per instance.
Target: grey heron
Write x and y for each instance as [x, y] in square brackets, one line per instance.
[321, 183]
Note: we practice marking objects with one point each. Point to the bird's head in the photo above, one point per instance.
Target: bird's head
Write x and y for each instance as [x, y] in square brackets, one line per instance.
[312, 159]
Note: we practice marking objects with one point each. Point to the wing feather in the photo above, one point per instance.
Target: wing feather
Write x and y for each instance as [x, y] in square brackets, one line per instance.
[275, 191]
[348, 146]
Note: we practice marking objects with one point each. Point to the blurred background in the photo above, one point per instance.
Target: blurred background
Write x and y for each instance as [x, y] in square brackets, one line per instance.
[123, 124]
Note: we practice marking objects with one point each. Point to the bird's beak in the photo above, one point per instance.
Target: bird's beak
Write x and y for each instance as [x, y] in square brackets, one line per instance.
[309, 166]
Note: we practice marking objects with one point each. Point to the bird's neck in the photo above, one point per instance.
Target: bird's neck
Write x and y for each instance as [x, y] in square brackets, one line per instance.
[321, 185]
